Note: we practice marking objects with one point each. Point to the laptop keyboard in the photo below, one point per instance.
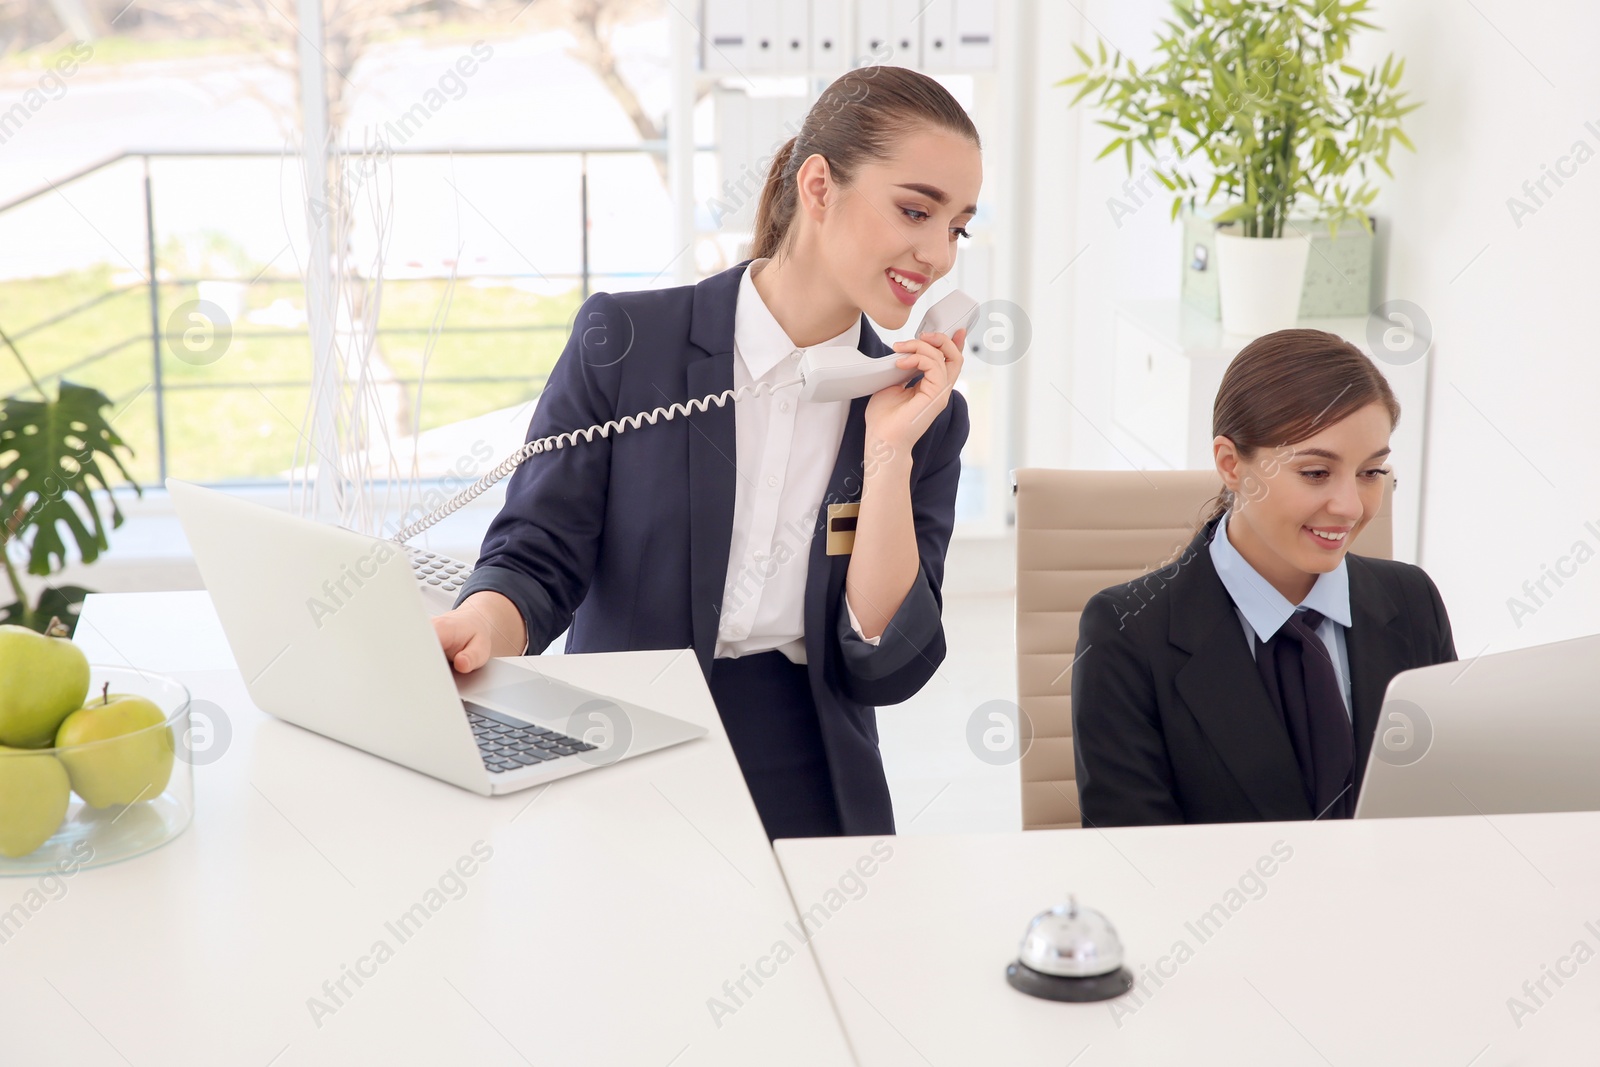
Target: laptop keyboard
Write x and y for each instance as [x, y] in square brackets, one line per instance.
[506, 744]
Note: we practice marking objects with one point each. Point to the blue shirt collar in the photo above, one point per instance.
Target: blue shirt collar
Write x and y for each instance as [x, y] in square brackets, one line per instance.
[1266, 609]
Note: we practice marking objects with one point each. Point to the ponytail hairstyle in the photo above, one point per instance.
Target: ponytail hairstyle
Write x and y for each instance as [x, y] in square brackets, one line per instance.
[1287, 386]
[859, 119]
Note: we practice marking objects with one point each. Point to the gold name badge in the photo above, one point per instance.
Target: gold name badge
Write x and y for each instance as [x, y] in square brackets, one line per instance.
[842, 528]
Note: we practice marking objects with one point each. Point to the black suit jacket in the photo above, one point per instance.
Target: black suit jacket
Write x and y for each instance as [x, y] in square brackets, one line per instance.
[1170, 718]
[626, 537]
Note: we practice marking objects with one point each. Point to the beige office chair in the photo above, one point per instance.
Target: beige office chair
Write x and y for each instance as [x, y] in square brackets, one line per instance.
[1077, 533]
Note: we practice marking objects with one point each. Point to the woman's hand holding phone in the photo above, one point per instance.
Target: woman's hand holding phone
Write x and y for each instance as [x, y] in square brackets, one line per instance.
[901, 414]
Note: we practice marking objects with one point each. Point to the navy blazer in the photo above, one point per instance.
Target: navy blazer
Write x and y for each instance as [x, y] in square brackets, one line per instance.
[1171, 722]
[626, 538]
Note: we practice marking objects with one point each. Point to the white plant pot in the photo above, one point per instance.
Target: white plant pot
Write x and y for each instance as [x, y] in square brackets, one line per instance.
[1259, 280]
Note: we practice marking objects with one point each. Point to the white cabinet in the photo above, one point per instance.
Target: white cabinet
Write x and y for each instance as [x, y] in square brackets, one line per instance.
[905, 32]
[1160, 390]
[1168, 362]
[973, 34]
[779, 38]
[725, 36]
[830, 36]
[957, 35]
[889, 31]
[874, 31]
[794, 38]
[753, 38]
[762, 52]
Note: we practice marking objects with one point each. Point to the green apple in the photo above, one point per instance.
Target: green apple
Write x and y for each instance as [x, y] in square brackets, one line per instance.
[33, 799]
[41, 680]
[133, 759]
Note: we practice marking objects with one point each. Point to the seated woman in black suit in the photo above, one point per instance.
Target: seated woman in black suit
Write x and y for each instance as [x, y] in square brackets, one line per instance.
[1243, 681]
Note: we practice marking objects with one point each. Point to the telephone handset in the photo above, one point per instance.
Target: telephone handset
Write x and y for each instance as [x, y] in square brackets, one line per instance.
[839, 372]
[827, 373]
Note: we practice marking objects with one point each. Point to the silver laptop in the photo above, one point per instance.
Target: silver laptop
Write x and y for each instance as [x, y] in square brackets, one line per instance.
[330, 632]
[1510, 732]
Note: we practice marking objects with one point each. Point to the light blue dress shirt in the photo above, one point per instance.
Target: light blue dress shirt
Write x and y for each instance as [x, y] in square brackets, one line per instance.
[1262, 610]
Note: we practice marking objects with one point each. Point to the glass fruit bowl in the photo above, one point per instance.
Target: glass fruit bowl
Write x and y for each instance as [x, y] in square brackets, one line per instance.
[115, 784]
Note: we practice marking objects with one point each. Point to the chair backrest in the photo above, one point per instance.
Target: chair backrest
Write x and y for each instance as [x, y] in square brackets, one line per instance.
[1077, 533]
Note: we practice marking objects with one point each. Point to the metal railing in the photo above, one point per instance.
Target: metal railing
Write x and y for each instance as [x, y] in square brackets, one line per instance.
[156, 337]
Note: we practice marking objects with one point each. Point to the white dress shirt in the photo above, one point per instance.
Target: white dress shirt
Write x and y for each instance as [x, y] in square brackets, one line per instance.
[1262, 610]
[786, 453]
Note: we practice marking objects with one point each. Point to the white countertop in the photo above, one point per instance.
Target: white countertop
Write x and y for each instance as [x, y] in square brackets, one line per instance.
[601, 917]
[1378, 942]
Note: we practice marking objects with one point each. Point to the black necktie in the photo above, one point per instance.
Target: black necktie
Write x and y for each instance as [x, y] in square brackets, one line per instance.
[1300, 679]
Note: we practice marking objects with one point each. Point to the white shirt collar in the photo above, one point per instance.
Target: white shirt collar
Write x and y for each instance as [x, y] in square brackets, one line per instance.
[757, 337]
[1266, 609]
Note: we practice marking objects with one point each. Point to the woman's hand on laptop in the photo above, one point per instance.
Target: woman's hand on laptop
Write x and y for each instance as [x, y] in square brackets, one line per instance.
[487, 624]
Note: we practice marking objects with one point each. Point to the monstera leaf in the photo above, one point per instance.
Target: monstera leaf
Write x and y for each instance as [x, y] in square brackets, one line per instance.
[58, 604]
[49, 453]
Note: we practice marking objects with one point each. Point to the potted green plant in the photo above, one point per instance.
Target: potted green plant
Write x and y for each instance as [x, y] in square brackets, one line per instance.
[1262, 93]
[48, 455]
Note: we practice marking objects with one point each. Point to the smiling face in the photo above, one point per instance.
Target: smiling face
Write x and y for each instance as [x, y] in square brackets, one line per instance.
[1297, 508]
[902, 216]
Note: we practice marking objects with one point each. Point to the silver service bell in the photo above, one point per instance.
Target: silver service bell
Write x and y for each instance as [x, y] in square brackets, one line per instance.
[1071, 942]
[1070, 953]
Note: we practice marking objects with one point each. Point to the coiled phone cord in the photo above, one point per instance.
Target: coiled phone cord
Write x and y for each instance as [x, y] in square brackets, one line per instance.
[562, 440]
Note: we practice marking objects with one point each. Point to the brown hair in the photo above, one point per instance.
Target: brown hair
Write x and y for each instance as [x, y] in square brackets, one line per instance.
[1290, 385]
[858, 119]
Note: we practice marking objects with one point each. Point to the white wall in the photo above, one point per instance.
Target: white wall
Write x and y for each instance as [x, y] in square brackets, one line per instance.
[1514, 429]
[1083, 257]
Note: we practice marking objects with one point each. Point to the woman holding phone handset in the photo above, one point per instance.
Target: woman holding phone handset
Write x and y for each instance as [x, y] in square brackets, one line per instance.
[708, 531]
